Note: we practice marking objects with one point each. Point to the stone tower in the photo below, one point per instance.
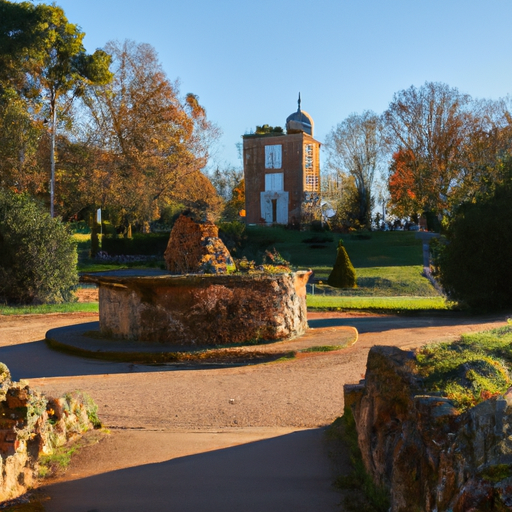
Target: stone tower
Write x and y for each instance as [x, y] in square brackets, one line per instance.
[281, 170]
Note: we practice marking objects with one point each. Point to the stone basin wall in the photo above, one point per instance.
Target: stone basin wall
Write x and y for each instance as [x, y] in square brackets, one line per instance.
[430, 457]
[203, 309]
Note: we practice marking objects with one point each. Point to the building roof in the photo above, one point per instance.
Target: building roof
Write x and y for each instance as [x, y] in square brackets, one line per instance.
[299, 121]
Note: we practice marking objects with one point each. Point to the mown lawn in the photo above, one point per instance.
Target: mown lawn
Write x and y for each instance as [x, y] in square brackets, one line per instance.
[382, 304]
[67, 307]
[307, 249]
[388, 267]
[469, 370]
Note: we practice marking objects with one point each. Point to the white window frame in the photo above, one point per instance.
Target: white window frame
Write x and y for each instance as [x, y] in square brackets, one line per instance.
[274, 156]
[274, 182]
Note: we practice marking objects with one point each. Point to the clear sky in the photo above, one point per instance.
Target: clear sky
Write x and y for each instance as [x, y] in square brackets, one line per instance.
[247, 61]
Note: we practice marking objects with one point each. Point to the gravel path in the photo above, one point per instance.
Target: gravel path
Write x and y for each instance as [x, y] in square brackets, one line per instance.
[304, 392]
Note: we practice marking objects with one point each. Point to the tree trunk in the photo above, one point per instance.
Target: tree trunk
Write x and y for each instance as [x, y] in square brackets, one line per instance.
[52, 157]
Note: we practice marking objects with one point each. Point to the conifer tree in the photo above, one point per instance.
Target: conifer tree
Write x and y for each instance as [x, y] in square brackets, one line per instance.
[343, 274]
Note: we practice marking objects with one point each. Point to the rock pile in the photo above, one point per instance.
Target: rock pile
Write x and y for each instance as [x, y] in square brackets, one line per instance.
[195, 248]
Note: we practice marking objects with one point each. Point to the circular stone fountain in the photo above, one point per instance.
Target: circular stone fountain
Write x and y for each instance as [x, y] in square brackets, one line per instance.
[202, 309]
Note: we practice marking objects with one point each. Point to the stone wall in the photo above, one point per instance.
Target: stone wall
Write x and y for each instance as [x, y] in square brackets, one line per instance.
[430, 457]
[32, 425]
[203, 309]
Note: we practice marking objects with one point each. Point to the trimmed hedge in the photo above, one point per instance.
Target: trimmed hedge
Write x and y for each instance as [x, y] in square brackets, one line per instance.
[343, 274]
[152, 244]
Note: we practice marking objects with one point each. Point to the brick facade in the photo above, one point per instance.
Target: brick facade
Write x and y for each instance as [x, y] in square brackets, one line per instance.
[295, 168]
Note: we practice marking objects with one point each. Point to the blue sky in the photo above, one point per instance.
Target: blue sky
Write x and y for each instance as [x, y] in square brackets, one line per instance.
[247, 61]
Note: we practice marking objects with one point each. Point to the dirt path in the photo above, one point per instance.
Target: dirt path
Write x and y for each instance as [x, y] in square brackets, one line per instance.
[306, 392]
[176, 413]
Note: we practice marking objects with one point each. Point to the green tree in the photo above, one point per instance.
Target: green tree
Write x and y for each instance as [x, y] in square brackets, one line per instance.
[343, 274]
[38, 258]
[21, 141]
[48, 65]
[474, 266]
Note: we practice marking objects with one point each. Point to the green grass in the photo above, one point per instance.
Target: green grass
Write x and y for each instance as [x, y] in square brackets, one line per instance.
[58, 460]
[67, 307]
[388, 265]
[469, 370]
[373, 249]
[361, 493]
[322, 348]
[382, 304]
[381, 282]
[89, 265]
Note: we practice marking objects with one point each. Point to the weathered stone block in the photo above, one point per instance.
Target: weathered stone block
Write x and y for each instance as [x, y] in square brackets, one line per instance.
[195, 247]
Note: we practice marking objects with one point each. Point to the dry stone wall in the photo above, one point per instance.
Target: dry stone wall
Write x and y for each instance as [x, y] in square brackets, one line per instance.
[430, 457]
[32, 425]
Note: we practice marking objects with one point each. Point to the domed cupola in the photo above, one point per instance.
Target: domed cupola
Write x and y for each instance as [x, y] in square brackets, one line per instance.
[299, 122]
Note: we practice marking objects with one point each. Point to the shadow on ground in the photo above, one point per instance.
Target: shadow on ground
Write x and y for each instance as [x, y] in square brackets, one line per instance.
[35, 360]
[379, 323]
[284, 473]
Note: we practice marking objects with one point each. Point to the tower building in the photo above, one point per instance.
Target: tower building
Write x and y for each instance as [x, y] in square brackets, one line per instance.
[281, 170]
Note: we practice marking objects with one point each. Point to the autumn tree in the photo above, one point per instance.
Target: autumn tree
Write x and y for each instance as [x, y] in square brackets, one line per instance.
[225, 179]
[355, 148]
[48, 66]
[486, 152]
[402, 184]
[21, 141]
[155, 140]
[426, 128]
[234, 209]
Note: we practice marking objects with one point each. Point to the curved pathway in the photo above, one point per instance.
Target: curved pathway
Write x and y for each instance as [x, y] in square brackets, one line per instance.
[245, 438]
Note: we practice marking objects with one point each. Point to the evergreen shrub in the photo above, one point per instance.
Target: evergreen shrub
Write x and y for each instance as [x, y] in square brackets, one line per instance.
[474, 267]
[343, 274]
[38, 256]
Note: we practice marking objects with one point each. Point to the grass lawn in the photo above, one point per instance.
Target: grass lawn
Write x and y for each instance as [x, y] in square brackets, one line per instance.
[382, 304]
[67, 307]
[388, 267]
[469, 370]
[307, 249]
[381, 282]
